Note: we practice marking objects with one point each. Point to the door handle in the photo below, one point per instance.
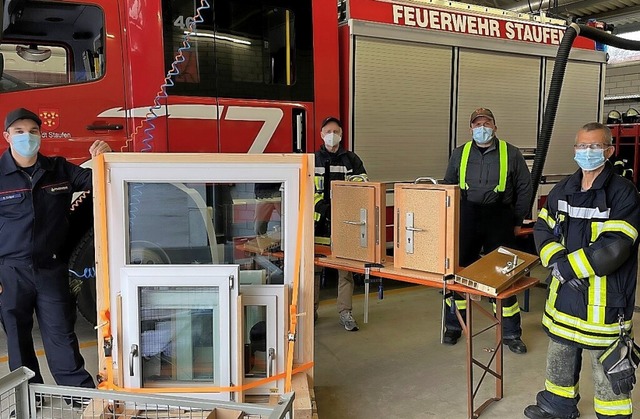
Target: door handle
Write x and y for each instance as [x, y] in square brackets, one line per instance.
[132, 354]
[108, 127]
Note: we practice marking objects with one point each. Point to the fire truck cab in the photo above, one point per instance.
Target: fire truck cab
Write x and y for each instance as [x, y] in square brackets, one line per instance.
[243, 82]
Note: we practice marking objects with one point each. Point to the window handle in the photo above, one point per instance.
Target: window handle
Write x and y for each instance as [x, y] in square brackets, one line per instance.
[132, 354]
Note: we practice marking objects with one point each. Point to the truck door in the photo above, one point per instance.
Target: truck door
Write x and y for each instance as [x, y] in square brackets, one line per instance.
[59, 63]
[246, 82]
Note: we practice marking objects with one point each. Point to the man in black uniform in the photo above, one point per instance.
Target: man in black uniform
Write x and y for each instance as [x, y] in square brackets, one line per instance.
[333, 162]
[496, 191]
[35, 196]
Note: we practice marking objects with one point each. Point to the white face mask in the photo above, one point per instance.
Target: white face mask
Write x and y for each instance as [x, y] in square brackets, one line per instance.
[332, 140]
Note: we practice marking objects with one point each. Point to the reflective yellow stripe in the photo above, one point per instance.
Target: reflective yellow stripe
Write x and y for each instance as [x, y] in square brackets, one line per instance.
[460, 304]
[504, 166]
[464, 161]
[548, 251]
[615, 226]
[614, 407]
[580, 264]
[318, 182]
[597, 300]
[571, 332]
[322, 240]
[568, 392]
[510, 311]
[544, 215]
[317, 198]
[596, 230]
[502, 184]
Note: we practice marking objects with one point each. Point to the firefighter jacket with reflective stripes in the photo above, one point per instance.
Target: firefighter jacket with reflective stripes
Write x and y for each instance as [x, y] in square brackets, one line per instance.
[483, 177]
[34, 209]
[343, 163]
[592, 235]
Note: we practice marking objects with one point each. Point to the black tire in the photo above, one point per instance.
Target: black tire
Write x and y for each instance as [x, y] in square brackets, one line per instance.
[82, 261]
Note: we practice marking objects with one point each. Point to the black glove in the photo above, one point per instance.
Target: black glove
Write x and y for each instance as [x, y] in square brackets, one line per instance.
[577, 284]
[619, 362]
[622, 377]
[580, 285]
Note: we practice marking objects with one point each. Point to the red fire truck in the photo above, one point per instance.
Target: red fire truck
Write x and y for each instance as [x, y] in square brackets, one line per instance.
[259, 75]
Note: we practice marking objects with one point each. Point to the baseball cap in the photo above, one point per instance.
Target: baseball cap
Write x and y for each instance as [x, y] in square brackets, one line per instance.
[482, 112]
[331, 119]
[20, 113]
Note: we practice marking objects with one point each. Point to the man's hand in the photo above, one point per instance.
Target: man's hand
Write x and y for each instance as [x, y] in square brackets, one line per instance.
[99, 147]
[516, 230]
[580, 285]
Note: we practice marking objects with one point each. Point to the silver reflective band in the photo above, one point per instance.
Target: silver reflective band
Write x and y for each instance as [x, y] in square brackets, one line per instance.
[581, 212]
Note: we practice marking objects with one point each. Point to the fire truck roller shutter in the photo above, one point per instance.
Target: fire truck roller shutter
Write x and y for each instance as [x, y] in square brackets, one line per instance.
[571, 115]
[506, 83]
[400, 105]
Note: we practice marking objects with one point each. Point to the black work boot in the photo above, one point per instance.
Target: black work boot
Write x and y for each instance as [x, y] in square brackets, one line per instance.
[536, 412]
[451, 337]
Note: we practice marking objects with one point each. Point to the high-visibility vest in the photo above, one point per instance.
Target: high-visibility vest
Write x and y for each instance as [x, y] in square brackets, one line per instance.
[464, 161]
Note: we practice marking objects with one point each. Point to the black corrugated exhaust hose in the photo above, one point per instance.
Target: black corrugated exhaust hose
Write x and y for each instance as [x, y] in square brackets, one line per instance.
[555, 87]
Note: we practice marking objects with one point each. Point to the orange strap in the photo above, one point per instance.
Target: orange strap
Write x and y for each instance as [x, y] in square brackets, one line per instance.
[106, 385]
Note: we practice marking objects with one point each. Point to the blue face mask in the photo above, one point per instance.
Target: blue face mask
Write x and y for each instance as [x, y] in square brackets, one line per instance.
[589, 159]
[482, 135]
[26, 144]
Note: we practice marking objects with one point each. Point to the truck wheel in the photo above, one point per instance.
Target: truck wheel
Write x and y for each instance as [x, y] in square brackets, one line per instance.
[82, 261]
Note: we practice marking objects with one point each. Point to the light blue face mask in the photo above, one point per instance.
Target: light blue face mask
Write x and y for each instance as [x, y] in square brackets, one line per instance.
[26, 144]
[589, 159]
[482, 135]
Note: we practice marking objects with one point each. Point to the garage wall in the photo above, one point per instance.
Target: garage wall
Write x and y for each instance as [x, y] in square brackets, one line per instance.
[621, 80]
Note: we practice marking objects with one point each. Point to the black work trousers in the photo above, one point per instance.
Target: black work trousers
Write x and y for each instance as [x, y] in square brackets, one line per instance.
[485, 228]
[26, 290]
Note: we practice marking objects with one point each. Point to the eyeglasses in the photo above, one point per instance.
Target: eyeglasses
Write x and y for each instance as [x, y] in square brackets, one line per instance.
[593, 146]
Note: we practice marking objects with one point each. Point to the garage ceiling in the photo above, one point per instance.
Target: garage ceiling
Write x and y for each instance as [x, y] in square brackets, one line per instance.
[624, 14]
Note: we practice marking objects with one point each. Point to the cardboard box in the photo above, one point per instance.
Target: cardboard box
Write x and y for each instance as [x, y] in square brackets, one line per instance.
[220, 413]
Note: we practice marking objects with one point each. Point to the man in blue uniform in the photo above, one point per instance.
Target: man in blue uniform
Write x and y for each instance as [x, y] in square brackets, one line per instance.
[587, 234]
[496, 192]
[35, 196]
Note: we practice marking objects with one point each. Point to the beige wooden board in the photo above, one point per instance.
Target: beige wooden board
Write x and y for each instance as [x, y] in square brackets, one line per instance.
[429, 219]
[348, 199]
[486, 274]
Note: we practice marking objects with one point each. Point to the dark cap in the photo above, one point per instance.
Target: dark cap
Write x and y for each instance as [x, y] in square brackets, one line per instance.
[20, 113]
[482, 112]
[331, 119]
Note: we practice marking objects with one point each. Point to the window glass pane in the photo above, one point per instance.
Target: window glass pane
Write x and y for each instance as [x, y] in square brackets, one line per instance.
[209, 223]
[250, 51]
[617, 55]
[255, 341]
[70, 50]
[179, 335]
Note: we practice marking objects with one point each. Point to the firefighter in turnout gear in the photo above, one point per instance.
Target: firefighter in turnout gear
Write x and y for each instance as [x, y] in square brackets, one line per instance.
[496, 191]
[587, 235]
[333, 162]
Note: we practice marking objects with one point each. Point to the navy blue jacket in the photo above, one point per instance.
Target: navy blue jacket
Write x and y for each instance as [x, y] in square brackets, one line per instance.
[34, 210]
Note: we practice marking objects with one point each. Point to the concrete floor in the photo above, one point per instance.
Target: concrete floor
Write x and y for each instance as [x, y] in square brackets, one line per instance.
[395, 366]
